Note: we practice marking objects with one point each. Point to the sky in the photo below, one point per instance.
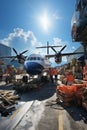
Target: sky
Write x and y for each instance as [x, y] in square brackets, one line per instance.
[26, 24]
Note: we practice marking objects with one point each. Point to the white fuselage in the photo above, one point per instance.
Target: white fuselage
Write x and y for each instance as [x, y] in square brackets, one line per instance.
[35, 64]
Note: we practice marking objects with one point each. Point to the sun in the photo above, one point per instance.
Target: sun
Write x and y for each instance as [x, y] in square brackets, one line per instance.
[45, 22]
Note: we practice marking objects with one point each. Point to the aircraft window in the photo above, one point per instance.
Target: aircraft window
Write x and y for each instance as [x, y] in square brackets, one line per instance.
[34, 58]
[38, 58]
[31, 58]
[28, 58]
[42, 59]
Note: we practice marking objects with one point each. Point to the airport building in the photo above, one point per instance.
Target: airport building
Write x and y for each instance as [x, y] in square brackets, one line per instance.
[77, 56]
[5, 51]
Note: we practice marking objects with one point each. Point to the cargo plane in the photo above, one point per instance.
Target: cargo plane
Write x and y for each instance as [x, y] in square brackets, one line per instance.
[34, 64]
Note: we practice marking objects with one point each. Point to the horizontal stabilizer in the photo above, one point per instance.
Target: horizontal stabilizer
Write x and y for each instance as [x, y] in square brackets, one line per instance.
[47, 46]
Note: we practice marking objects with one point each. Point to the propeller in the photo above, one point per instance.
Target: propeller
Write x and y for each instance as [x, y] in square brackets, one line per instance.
[54, 50]
[62, 49]
[59, 51]
[19, 56]
[15, 51]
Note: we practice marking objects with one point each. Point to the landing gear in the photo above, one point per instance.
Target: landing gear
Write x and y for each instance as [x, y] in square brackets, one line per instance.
[45, 77]
[25, 79]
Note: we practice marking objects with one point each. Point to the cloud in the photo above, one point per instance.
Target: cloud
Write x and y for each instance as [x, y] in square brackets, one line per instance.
[58, 41]
[19, 33]
[20, 39]
[56, 15]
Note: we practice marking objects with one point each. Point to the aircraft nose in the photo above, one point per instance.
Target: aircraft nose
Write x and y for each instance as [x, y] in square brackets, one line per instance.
[33, 68]
[29, 65]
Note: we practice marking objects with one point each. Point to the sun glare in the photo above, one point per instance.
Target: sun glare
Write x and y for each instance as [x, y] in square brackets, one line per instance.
[45, 22]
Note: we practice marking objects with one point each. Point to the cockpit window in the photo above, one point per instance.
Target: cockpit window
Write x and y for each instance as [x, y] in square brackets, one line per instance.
[28, 58]
[35, 58]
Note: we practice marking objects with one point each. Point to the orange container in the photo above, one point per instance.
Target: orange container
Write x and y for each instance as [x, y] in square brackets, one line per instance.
[67, 89]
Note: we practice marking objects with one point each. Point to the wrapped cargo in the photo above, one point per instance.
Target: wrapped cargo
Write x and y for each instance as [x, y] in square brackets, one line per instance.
[84, 99]
[79, 86]
[71, 94]
[79, 20]
[65, 94]
[85, 79]
[67, 89]
[74, 25]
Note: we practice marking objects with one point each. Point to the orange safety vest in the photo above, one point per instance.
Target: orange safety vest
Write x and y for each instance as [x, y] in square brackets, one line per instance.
[85, 69]
[51, 72]
[55, 72]
[70, 78]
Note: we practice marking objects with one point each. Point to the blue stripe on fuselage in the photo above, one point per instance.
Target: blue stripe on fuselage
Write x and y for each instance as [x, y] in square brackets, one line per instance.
[33, 68]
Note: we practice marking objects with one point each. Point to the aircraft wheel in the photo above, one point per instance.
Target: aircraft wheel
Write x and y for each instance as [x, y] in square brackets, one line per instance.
[25, 79]
[44, 79]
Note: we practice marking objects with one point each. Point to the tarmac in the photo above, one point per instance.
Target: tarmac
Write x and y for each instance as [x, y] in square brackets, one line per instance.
[38, 110]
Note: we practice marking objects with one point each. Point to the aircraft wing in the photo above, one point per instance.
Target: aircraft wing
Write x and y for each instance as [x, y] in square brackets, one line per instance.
[47, 46]
[64, 54]
[4, 57]
[74, 53]
[49, 56]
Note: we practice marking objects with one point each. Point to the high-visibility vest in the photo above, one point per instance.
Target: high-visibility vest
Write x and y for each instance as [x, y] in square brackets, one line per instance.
[70, 78]
[51, 72]
[85, 69]
[55, 72]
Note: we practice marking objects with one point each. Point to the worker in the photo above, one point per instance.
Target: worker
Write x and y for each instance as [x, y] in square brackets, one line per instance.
[51, 74]
[78, 70]
[55, 73]
[85, 71]
[70, 79]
